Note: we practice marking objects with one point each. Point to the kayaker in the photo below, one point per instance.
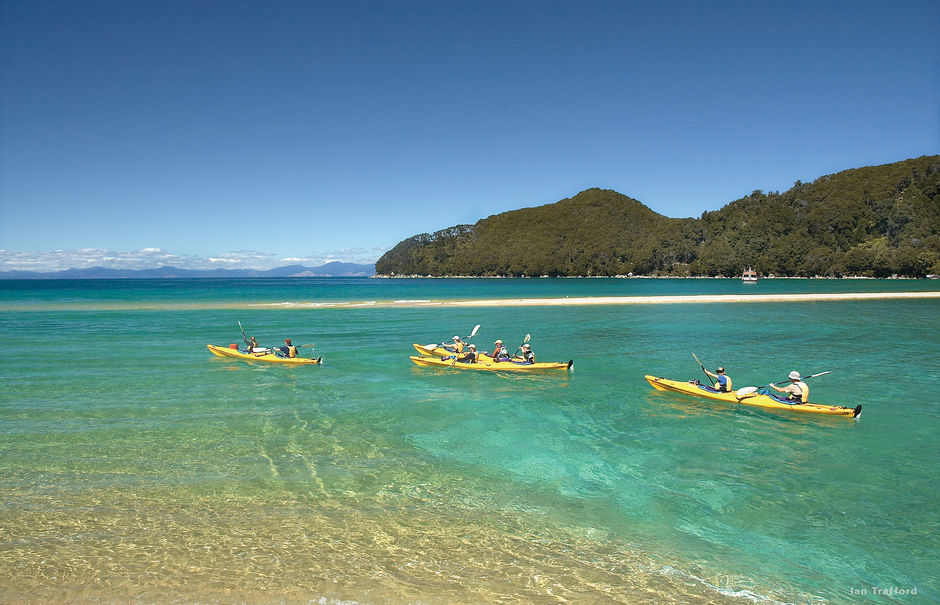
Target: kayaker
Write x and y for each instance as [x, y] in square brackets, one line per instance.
[457, 347]
[471, 356]
[527, 354]
[724, 382]
[499, 351]
[796, 391]
[288, 349]
[252, 344]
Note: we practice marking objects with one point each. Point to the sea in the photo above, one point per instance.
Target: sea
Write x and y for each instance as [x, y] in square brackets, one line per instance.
[136, 467]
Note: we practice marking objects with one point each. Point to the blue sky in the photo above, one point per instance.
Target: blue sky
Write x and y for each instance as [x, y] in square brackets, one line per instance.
[257, 134]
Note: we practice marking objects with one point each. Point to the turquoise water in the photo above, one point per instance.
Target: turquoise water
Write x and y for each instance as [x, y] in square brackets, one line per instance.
[135, 466]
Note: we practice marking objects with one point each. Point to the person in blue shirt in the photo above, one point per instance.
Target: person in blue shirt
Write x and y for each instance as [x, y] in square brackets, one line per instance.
[288, 350]
[724, 383]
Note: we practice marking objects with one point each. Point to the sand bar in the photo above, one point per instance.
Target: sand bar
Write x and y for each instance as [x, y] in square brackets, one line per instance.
[623, 300]
[697, 298]
[489, 302]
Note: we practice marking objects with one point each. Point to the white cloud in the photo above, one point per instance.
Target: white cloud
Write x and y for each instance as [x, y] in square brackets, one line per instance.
[349, 255]
[152, 258]
[84, 258]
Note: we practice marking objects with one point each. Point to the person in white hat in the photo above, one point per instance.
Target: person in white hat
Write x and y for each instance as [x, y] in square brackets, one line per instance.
[527, 354]
[457, 347]
[796, 391]
[499, 351]
[470, 356]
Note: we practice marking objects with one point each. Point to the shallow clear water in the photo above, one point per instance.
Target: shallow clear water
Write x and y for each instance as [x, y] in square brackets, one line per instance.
[134, 465]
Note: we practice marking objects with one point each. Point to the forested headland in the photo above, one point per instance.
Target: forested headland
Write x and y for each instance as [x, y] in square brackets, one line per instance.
[876, 221]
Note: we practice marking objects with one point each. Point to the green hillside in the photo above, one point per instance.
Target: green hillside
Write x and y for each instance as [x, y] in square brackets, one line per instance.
[875, 221]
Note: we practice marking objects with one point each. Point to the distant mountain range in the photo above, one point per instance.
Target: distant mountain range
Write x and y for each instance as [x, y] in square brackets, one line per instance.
[333, 269]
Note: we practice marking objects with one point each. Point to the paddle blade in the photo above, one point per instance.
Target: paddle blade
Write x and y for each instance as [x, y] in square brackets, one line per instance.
[474, 331]
[746, 391]
[527, 337]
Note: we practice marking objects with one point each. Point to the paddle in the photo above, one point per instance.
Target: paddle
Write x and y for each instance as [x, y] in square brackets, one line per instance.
[524, 340]
[805, 377]
[473, 332]
[746, 391]
[466, 340]
[244, 337]
[302, 347]
[703, 369]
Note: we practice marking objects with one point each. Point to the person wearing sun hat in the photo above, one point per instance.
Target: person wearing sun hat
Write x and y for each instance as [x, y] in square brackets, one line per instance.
[796, 391]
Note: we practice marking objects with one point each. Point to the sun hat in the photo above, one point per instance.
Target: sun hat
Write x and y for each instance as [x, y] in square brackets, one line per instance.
[720, 370]
[794, 375]
[456, 338]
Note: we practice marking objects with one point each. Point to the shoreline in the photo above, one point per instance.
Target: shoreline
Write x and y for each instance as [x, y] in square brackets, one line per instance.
[617, 300]
[631, 276]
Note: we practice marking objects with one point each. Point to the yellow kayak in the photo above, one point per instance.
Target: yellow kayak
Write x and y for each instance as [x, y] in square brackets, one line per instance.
[750, 398]
[268, 355]
[485, 363]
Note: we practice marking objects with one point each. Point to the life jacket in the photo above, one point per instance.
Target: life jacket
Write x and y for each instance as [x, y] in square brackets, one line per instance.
[726, 385]
[292, 351]
[804, 391]
[803, 397]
